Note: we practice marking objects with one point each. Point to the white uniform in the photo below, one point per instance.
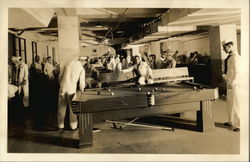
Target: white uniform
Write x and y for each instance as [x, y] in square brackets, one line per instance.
[143, 69]
[73, 73]
[144, 72]
[23, 77]
[233, 94]
[48, 70]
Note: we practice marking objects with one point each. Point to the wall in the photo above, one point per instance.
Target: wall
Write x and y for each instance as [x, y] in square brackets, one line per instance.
[201, 45]
[96, 51]
[42, 43]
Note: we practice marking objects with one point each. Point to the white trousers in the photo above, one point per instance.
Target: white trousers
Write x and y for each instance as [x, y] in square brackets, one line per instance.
[25, 90]
[233, 107]
[64, 101]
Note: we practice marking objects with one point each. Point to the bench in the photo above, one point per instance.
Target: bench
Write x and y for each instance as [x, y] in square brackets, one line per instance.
[171, 75]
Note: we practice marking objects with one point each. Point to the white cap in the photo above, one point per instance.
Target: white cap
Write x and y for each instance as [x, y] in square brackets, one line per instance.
[226, 41]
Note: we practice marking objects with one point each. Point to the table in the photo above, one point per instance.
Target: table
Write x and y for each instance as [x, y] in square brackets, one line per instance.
[125, 100]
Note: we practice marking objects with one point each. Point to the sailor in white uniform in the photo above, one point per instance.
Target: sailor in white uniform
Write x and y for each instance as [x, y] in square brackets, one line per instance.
[232, 63]
[72, 74]
[142, 70]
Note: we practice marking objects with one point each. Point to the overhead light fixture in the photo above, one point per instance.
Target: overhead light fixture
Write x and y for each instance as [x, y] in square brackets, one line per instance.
[99, 26]
[119, 31]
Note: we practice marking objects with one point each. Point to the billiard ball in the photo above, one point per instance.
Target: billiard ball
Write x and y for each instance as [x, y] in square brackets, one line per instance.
[112, 93]
[109, 89]
[152, 90]
[156, 88]
[139, 89]
[163, 90]
[195, 87]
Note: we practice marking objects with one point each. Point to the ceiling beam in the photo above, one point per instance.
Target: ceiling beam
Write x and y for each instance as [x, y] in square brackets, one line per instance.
[70, 11]
[175, 14]
[22, 18]
[216, 11]
[176, 28]
[44, 15]
[207, 20]
[65, 11]
[105, 10]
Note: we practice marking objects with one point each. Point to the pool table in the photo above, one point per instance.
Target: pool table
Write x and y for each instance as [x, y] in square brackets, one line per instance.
[127, 100]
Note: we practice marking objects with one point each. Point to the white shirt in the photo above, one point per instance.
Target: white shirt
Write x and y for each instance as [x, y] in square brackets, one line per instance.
[73, 72]
[48, 69]
[112, 64]
[143, 69]
[233, 64]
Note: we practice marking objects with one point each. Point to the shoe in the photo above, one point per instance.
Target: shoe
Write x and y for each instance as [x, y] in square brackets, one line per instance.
[236, 129]
[228, 124]
[96, 130]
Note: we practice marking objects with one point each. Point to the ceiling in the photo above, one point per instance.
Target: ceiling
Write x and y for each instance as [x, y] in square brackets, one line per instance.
[108, 25]
[119, 26]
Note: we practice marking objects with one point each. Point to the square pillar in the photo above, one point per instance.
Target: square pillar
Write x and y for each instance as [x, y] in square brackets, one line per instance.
[217, 55]
[68, 39]
[155, 49]
[135, 50]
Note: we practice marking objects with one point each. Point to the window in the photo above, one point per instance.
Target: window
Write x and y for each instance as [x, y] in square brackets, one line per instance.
[54, 55]
[20, 46]
[47, 51]
[34, 50]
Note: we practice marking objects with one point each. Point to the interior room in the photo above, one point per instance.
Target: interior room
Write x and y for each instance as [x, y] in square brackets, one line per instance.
[180, 107]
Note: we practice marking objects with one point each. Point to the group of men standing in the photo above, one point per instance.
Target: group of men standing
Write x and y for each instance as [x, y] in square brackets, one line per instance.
[37, 88]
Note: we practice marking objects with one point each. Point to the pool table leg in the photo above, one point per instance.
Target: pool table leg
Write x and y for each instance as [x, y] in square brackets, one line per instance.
[205, 121]
[85, 130]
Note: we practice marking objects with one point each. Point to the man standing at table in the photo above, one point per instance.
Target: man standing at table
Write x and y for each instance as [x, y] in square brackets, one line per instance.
[73, 77]
[231, 75]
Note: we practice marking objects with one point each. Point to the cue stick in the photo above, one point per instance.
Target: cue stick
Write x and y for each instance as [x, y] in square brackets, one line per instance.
[141, 125]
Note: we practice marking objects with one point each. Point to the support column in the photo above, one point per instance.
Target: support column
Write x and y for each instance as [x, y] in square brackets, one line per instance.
[217, 55]
[68, 39]
[155, 49]
[135, 50]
